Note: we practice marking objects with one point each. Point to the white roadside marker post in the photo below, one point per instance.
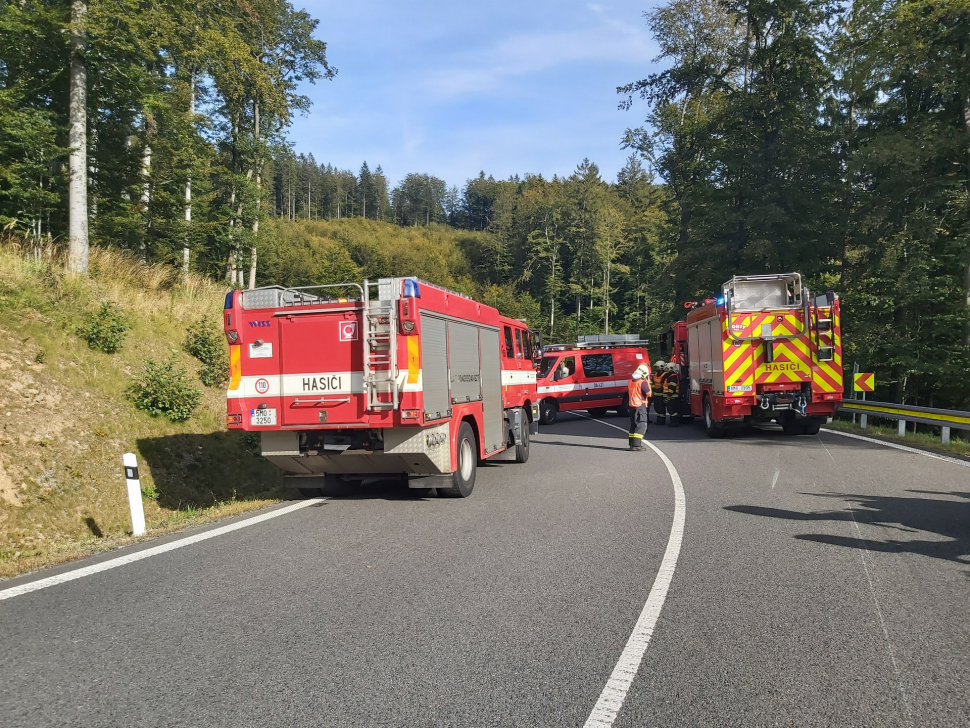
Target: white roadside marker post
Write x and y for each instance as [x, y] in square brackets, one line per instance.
[901, 429]
[945, 436]
[134, 494]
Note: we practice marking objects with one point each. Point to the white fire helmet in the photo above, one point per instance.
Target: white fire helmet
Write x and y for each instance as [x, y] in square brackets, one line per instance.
[659, 365]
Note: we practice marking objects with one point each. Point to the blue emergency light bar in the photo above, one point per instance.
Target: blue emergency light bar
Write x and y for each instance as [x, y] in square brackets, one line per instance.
[411, 288]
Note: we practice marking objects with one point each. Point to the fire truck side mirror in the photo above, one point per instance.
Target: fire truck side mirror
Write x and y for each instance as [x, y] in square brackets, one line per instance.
[407, 310]
[664, 348]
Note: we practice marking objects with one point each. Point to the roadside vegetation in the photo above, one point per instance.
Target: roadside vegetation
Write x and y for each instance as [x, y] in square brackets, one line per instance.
[65, 420]
[925, 437]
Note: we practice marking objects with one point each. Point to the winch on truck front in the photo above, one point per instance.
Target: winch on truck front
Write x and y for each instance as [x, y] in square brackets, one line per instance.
[414, 381]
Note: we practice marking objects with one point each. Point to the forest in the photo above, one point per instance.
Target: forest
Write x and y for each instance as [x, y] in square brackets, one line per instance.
[827, 138]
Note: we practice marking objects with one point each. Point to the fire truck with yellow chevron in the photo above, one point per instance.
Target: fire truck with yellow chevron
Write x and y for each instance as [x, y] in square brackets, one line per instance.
[765, 349]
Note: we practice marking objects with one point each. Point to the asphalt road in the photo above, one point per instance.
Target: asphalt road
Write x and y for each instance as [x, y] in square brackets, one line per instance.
[822, 581]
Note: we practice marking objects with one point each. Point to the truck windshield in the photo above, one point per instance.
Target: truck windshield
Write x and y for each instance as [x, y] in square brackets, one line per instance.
[546, 366]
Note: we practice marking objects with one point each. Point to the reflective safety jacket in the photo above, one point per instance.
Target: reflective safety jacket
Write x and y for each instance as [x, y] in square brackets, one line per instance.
[672, 385]
[638, 391]
[658, 380]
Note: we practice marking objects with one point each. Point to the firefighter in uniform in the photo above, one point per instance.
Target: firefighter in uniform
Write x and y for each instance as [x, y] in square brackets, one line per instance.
[657, 386]
[672, 394]
[638, 390]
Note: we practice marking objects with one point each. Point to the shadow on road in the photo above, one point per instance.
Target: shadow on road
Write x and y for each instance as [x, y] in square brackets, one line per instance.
[195, 470]
[906, 520]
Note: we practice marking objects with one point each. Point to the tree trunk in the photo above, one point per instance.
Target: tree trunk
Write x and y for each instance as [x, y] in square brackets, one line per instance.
[77, 261]
[231, 267]
[188, 184]
[606, 297]
[259, 198]
[966, 266]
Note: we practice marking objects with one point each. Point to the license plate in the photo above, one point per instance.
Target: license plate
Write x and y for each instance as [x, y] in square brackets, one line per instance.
[262, 417]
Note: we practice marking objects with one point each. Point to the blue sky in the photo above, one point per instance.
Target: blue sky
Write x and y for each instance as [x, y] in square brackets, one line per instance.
[451, 88]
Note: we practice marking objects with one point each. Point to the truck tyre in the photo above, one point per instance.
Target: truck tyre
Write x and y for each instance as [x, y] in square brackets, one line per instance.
[597, 411]
[790, 426]
[522, 447]
[548, 411]
[812, 427]
[712, 428]
[467, 455]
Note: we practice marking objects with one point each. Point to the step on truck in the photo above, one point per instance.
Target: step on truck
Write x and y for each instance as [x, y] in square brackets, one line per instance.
[395, 378]
[764, 350]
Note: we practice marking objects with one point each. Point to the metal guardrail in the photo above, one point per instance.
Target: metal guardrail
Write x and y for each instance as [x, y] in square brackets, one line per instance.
[944, 418]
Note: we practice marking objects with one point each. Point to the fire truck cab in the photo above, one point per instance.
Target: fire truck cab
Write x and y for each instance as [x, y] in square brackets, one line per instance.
[401, 378]
[764, 350]
[590, 375]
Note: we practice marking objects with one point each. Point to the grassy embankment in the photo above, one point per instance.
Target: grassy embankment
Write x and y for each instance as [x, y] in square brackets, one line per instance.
[924, 440]
[65, 420]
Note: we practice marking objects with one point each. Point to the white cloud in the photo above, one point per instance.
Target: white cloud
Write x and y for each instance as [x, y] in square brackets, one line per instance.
[607, 40]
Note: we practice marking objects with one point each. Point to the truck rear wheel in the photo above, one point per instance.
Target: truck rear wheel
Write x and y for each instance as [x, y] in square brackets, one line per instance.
[522, 447]
[548, 411]
[712, 428]
[467, 466]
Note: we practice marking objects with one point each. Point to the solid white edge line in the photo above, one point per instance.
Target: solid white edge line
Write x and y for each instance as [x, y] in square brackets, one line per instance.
[611, 699]
[31, 586]
[897, 446]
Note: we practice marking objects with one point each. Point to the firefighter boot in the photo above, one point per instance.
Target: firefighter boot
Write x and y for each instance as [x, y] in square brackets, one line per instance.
[636, 442]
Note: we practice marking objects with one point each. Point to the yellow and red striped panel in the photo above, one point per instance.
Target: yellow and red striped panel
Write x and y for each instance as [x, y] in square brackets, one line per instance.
[738, 360]
[827, 375]
[793, 357]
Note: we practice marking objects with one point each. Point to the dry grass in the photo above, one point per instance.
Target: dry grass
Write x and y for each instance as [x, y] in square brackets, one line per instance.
[65, 422]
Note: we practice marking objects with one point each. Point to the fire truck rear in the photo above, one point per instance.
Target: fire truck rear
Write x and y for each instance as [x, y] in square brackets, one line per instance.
[400, 379]
[764, 350]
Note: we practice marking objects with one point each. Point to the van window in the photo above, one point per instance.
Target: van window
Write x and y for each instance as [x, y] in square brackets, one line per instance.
[509, 346]
[598, 365]
[566, 368]
[518, 342]
[545, 367]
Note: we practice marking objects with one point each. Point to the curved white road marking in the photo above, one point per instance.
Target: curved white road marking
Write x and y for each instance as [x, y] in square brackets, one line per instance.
[613, 695]
[896, 446]
[30, 586]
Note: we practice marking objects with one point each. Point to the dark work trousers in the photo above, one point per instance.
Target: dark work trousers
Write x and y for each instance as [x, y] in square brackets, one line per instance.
[673, 412]
[659, 406]
[638, 426]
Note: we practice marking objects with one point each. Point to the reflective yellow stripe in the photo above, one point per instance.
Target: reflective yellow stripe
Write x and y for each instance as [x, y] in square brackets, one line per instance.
[235, 366]
[637, 435]
[904, 414]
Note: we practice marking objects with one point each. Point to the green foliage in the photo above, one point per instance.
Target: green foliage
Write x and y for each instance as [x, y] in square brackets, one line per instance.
[105, 329]
[163, 389]
[801, 136]
[205, 341]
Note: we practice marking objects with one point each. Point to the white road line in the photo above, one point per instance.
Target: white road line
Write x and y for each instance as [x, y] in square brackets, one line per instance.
[16, 591]
[896, 446]
[613, 695]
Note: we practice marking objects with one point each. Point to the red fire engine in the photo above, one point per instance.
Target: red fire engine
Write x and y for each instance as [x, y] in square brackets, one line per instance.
[764, 350]
[590, 375]
[403, 379]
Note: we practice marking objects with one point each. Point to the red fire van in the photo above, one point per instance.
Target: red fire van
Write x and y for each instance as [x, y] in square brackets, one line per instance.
[590, 375]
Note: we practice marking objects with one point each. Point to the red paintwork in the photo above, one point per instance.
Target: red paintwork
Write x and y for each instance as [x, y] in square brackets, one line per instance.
[310, 343]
